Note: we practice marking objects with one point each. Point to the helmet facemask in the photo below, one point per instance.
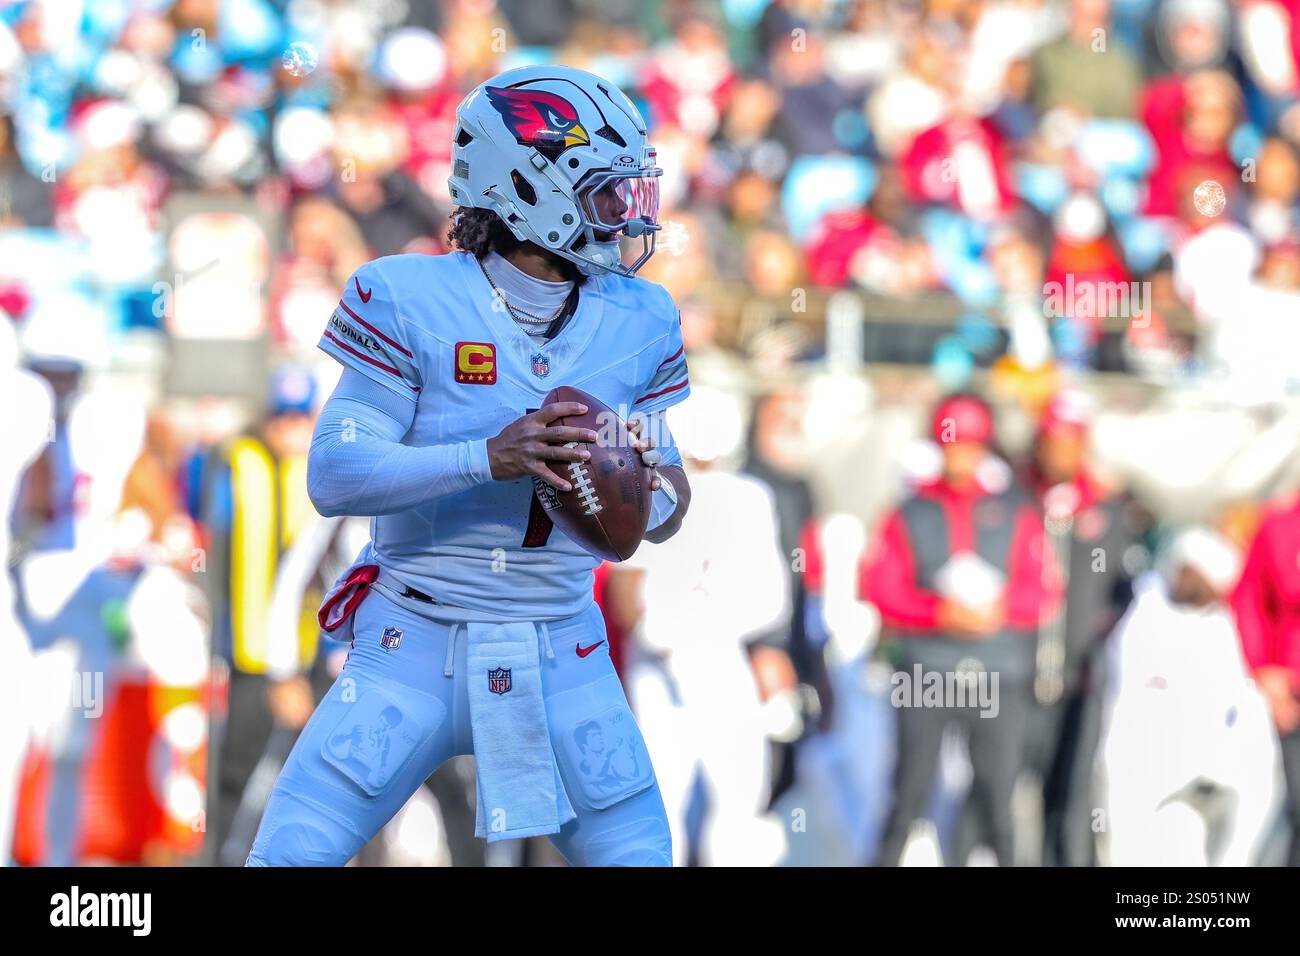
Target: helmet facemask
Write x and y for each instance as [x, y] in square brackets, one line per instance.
[617, 205]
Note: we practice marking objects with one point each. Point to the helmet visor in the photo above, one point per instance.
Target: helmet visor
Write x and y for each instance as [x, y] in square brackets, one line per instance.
[616, 201]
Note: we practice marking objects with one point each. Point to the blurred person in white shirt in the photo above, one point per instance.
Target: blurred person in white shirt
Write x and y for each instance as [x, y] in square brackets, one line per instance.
[25, 437]
[706, 709]
[1188, 756]
[1244, 294]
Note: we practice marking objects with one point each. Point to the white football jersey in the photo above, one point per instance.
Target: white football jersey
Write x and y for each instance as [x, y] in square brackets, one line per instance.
[431, 329]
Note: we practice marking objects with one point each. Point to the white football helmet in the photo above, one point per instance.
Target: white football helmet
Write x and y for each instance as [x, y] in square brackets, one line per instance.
[561, 156]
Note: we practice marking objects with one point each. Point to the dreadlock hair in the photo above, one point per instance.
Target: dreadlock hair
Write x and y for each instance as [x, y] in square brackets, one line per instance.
[480, 231]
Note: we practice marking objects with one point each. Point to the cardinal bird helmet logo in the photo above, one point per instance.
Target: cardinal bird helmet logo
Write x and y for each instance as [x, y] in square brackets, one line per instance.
[539, 119]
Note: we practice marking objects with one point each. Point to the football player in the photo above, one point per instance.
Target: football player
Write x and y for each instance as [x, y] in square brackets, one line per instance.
[475, 630]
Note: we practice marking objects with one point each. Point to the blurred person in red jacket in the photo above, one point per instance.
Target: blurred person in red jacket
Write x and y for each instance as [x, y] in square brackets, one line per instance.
[876, 246]
[963, 163]
[838, 239]
[413, 68]
[958, 576]
[1190, 118]
[1086, 278]
[690, 77]
[1267, 605]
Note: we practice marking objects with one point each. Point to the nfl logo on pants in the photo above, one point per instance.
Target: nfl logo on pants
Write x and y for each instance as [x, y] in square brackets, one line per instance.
[499, 680]
[391, 638]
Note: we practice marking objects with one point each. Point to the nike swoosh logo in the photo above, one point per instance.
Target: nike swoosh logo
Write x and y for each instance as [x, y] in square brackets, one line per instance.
[584, 651]
[365, 296]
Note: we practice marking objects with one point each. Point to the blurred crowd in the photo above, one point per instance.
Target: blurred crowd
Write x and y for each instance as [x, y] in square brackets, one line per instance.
[1076, 217]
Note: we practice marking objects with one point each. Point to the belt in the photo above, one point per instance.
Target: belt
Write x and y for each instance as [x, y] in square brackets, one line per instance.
[410, 592]
[442, 611]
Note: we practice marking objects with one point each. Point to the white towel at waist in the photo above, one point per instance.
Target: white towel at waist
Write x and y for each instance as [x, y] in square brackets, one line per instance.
[520, 793]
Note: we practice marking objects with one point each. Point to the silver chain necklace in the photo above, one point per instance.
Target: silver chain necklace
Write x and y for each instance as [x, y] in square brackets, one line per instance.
[524, 318]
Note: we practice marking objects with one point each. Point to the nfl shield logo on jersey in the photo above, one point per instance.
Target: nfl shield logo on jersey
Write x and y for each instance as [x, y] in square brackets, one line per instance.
[499, 680]
[391, 639]
[541, 365]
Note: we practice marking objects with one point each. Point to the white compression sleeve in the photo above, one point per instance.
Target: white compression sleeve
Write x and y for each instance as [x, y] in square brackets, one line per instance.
[359, 466]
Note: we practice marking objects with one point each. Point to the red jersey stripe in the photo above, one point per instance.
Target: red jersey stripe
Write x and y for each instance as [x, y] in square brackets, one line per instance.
[663, 391]
[673, 357]
[396, 345]
[366, 358]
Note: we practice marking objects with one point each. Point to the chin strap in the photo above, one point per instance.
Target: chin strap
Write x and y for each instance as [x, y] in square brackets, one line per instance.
[603, 257]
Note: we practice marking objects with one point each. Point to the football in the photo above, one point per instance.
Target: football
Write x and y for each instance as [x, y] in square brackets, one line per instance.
[609, 507]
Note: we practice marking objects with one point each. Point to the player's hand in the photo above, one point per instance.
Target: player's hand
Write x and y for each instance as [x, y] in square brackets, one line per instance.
[524, 447]
[650, 455]
[774, 672]
[970, 623]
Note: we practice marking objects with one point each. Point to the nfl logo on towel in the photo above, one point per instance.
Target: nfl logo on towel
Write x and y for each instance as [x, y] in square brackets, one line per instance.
[499, 680]
[391, 639]
[541, 365]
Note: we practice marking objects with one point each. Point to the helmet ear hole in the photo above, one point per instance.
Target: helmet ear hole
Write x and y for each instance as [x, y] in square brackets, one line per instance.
[463, 137]
[523, 188]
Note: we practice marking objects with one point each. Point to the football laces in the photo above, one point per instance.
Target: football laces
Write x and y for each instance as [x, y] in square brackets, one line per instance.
[582, 485]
